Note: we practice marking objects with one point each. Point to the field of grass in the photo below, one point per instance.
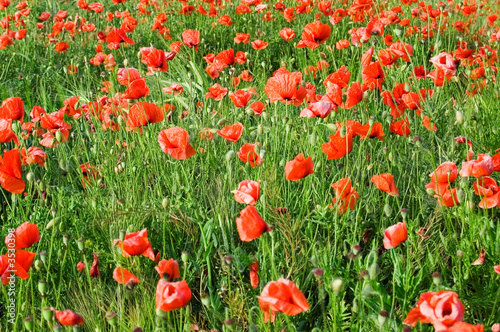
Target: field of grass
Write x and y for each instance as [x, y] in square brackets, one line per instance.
[111, 126]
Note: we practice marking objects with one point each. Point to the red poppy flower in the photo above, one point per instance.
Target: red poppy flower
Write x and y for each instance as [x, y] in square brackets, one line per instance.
[283, 86]
[231, 133]
[142, 113]
[345, 196]
[242, 38]
[395, 235]
[68, 318]
[250, 224]
[155, 59]
[240, 98]
[488, 189]
[170, 267]
[89, 174]
[341, 44]
[482, 166]
[338, 146]
[446, 172]
[136, 244]
[23, 236]
[259, 44]
[247, 154]
[62, 47]
[496, 269]
[248, 192]
[299, 168]
[94, 269]
[175, 142]
[385, 182]
[258, 106]
[375, 131]
[401, 127]
[216, 91]
[80, 266]
[191, 38]
[282, 296]
[125, 76]
[11, 172]
[12, 108]
[442, 309]
[123, 276]
[465, 327]
[172, 295]
[117, 36]
[136, 89]
[6, 133]
[287, 34]
[496, 162]
[373, 76]
[444, 61]
[320, 108]
[314, 34]
[254, 274]
[22, 264]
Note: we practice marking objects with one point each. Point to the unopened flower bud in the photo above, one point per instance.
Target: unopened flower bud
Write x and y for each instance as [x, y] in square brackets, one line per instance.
[111, 318]
[459, 118]
[460, 254]
[28, 323]
[42, 287]
[81, 244]
[164, 203]
[387, 210]
[30, 177]
[436, 278]
[185, 256]
[230, 155]
[337, 285]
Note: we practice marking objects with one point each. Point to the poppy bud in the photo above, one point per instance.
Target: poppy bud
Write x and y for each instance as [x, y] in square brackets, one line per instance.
[260, 129]
[15, 127]
[249, 112]
[387, 210]
[229, 323]
[265, 116]
[436, 278]
[42, 288]
[385, 114]
[367, 291]
[460, 195]
[430, 192]
[342, 131]
[373, 271]
[185, 257]
[337, 285]
[382, 317]
[404, 213]
[332, 126]
[459, 116]
[470, 205]
[48, 314]
[205, 300]
[162, 315]
[66, 238]
[43, 256]
[164, 203]
[30, 177]
[230, 155]
[318, 273]
[366, 96]
[81, 244]
[354, 308]
[389, 119]
[312, 139]
[59, 136]
[407, 87]
[111, 318]
[460, 254]
[28, 323]
[39, 265]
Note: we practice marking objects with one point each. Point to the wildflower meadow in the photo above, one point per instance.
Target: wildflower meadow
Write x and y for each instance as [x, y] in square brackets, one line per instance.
[250, 165]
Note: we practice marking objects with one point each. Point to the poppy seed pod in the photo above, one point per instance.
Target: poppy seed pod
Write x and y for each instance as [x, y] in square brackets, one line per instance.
[459, 118]
[28, 323]
[387, 210]
[39, 265]
[48, 314]
[111, 318]
[42, 288]
[382, 317]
